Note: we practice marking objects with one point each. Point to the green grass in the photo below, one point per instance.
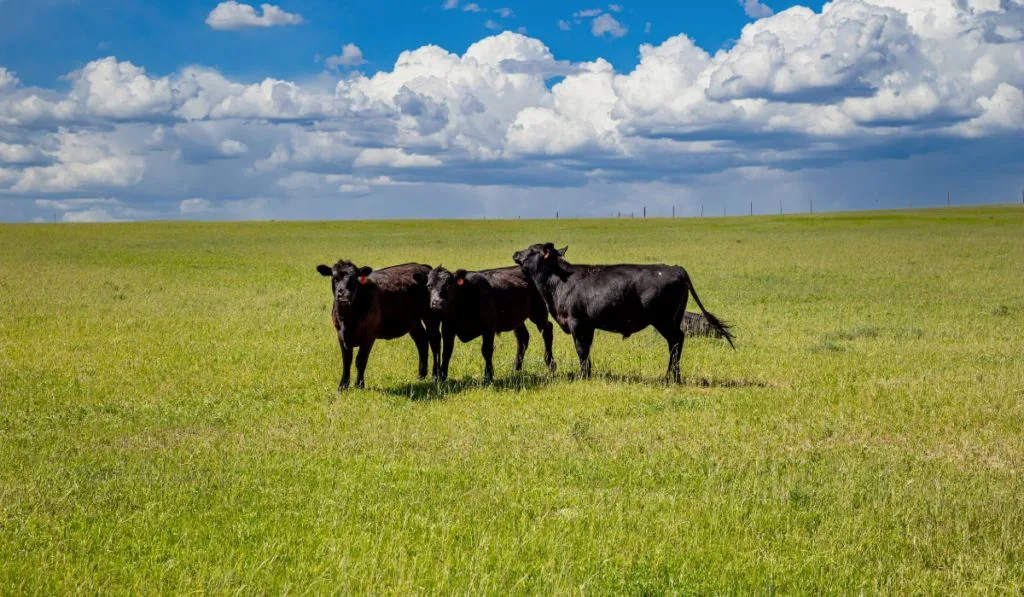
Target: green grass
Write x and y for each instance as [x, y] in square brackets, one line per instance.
[169, 422]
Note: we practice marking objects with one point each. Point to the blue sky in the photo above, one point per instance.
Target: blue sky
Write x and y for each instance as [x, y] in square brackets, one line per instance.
[224, 110]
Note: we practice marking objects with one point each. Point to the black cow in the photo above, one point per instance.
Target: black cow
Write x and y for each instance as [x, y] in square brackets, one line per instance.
[383, 304]
[485, 303]
[617, 298]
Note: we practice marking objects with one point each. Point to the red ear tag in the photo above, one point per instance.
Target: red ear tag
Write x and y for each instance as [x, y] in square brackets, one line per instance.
[362, 279]
[460, 281]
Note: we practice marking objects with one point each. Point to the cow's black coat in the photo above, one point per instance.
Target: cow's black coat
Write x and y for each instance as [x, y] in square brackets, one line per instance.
[617, 298]
[381, 305]
[485, 303]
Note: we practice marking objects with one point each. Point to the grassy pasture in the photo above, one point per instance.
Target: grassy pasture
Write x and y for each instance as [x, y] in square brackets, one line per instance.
[169, 422]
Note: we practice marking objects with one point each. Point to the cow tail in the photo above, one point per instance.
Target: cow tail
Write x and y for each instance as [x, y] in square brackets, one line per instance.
[716, 324]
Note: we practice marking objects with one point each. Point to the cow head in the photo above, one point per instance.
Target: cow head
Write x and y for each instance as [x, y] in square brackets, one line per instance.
[542, 259]
[442, 285]
[348, 282]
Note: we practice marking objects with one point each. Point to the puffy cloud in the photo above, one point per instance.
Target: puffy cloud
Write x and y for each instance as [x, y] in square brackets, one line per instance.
[12, 153]
[450, 4]
[578, 120]
[82, 161]
[472, 7]
[606, 24]
[1001, 113]
[756, 9]
[7, 79]
[234, 15]
[350, 55]
[121, 91]
[802, 55]
[392, 157]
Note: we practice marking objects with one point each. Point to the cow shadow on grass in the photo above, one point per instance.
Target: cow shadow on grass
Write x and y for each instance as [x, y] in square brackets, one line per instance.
[692, 381]
[431, 390]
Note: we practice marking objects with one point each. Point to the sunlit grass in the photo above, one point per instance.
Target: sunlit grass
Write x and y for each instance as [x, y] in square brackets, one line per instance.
[168, 419]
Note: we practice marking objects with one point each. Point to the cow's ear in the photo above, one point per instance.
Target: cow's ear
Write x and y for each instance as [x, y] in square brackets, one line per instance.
[460, 276]
[420, 277]
[563, 250]
[324, 270]
[363, 273]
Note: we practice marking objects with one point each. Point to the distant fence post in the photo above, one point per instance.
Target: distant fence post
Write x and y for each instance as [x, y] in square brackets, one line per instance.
[751, 208]
[645, 212]
[673, 211]
[702, 206]
[556, 215]
[947, 198]
[812, 204]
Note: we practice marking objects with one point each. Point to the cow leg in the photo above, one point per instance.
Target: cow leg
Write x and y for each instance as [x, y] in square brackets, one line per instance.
[487, 350]
[583, 336]
[447, 345]
[361, 360]
[522, 342]
[675, 337]
[346, 366]
[547, 333]
[433, 327]
[419, 336]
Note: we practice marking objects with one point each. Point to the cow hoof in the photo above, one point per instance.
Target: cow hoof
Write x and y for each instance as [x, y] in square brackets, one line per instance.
[360, 385]
[552, 367]
[343, 386]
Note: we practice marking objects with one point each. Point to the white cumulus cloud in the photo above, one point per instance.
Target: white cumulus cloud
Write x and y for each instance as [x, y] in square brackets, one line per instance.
[234, 15]
[606, 24]
[350, 55]
[756, 9]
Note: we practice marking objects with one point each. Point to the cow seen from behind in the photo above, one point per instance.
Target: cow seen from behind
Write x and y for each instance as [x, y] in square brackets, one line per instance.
[622, 299]
[486, 303]
[376, 305]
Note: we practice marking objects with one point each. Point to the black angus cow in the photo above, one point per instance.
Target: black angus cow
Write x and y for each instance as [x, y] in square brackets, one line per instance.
[623, 299]
[381, 305]
[485, 303]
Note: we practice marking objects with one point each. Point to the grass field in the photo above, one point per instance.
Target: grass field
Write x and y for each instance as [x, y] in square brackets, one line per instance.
[169, 421]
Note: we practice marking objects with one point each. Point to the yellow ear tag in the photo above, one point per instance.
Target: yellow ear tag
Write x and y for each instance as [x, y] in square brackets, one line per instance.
[546, 254]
